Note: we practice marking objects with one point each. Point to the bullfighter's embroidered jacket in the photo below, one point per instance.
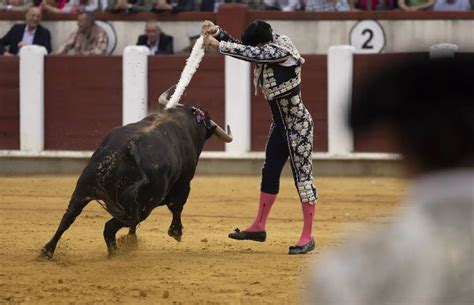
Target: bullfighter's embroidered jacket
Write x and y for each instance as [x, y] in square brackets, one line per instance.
[278, 63]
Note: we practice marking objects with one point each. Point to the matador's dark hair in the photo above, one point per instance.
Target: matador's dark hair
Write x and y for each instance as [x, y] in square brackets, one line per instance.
[258, 31]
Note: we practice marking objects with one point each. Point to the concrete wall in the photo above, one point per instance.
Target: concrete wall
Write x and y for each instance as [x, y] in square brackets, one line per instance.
[400, 35]
[209, 164]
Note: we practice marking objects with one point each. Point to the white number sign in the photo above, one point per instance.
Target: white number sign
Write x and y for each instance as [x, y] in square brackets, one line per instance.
[367, 37]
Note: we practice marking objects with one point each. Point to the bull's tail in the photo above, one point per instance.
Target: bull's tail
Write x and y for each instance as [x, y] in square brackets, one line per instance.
[130, 194]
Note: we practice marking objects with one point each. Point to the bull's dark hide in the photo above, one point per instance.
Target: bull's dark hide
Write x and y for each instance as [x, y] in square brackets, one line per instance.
[138, 167]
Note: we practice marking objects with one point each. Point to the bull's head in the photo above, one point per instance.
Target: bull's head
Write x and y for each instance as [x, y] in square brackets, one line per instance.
[217, 130]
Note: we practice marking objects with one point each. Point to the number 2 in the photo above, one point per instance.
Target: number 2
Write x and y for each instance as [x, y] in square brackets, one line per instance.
[366, 44]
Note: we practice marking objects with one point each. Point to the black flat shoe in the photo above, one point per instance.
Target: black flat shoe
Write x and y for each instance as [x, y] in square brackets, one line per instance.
[302, 249]
[260, 236]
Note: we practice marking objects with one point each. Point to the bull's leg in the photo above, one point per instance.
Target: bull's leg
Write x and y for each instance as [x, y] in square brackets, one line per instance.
[132, 234]
[175, 202]
[110, 229]
[132, 230]
[176, 228]
[73, 210]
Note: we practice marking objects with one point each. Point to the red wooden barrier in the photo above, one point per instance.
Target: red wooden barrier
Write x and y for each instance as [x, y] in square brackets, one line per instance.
[314, 91]
[9, 103]
[83, 100]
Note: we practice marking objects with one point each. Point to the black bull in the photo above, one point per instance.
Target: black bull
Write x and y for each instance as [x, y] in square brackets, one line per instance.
[140, 166]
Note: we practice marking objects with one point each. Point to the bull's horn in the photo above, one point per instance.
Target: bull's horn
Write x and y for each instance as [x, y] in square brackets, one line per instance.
[165, 96]
[221, 134]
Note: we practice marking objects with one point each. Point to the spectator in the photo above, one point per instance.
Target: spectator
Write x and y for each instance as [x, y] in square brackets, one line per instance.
[15, 5]
[129, 6]
[452, 5]
[213, 5]
[327, 6]
[157, 41]
[31, 32]
[79, 6]
[53, 6]
[102, 6]
[426, 257]
[71, 6]
[375, 5]
[415, 5]
[193, 36]
[174, 6]
[88, 39]
[282, 5]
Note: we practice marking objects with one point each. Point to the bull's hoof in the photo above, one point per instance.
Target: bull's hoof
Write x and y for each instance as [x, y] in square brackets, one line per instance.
[46, 253]
[133, 240]
[112, 252]
[175, 234]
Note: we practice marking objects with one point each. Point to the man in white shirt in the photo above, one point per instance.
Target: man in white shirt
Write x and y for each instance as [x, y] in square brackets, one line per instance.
[154, 38]
[28, 33]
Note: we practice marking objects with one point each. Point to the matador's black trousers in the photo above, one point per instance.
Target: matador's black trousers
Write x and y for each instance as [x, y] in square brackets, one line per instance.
[291, 135]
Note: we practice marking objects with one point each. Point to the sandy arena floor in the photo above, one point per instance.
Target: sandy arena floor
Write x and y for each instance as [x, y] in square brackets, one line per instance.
[205, 268]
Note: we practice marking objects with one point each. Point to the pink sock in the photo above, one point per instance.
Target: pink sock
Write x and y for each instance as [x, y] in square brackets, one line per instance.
[266, 203]
[308, 216]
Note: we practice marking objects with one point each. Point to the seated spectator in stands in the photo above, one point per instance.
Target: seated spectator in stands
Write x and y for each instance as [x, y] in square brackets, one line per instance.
[53, 6]
[282, 5]
[102, 5]
[88, 39]
[193, 36]
[71, 6]
[157, 41]
[174, 6]
[327, 6]
[15, 5]
[27, 33]
[213, 5]
[452, 5]
[79, 6]
[375, 5]
[415, 5]
[129, 6]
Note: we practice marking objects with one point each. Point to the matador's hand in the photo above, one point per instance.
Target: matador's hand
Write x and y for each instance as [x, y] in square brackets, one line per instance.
[211, 42]
[208, 27]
